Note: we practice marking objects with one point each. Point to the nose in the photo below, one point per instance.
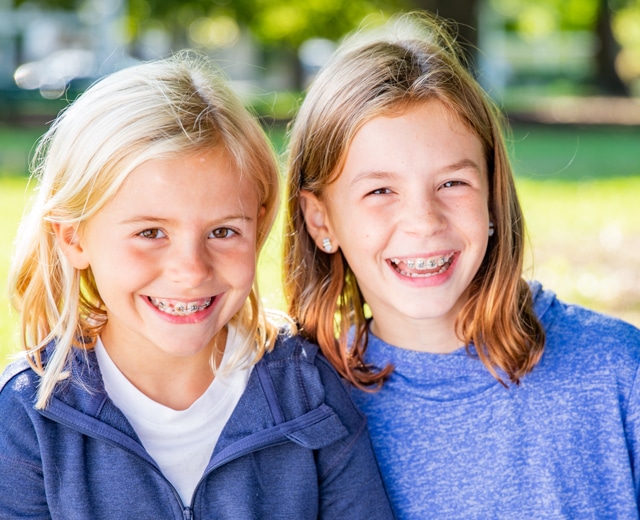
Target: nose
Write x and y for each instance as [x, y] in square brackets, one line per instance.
[189, 264]
[423, 215]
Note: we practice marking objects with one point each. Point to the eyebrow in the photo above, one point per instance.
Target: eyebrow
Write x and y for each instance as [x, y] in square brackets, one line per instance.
[463, 164]
[143, 219]
[371, 175]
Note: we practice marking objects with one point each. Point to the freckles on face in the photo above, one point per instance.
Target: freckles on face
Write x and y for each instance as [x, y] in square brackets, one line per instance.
[409, 211]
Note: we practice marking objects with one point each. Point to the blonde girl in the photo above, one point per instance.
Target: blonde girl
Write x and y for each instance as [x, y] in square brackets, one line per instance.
[486, 396]
[153, 385]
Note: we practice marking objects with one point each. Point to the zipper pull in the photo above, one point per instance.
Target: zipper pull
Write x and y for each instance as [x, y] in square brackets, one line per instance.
[187, 513]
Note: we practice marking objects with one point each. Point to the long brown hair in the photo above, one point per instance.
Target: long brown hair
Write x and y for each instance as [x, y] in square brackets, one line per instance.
[416, 59]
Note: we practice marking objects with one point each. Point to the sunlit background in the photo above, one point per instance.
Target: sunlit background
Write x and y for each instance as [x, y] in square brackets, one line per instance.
[567, 73]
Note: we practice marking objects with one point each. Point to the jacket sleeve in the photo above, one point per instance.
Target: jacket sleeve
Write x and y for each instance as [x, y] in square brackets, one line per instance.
[22, 489]
[350, 482]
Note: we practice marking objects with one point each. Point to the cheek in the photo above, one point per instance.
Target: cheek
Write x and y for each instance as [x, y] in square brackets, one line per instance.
[240, 266]
[359, 249]
[124, 267]
[472, 216]
[121, 275]
[353, 224]
[130, 263]
[478, 237]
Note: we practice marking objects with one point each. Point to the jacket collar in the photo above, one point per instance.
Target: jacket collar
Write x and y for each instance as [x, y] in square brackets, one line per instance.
[283, 401]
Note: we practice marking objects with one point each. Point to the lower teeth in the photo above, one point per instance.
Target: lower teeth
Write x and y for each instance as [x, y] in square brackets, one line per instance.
[425, 275]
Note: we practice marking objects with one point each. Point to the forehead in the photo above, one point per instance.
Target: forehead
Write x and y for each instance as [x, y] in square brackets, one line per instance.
[428, 132]
[204, 178]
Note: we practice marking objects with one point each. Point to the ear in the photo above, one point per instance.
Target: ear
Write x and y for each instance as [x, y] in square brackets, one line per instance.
[316, 219]
[68, 239]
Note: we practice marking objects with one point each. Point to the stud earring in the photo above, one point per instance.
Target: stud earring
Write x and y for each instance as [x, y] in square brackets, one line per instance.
[491, 229]
[327, 245]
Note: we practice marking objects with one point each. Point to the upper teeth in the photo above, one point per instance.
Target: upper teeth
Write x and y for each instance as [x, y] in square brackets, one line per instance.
[422, 264]
[180, 308]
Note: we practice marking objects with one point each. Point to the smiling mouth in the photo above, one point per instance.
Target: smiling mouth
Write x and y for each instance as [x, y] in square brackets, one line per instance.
[180, 308]
[422, 267]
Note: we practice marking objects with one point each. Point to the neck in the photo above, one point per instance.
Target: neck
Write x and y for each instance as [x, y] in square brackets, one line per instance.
[434, 336]
[173, 381]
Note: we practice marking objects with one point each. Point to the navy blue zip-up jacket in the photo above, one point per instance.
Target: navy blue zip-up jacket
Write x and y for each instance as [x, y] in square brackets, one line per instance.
[294, 448]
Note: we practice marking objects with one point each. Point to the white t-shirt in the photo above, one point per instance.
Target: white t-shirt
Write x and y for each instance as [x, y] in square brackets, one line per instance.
[180, 441]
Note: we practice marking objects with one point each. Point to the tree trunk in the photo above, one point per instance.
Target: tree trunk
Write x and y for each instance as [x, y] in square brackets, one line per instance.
[465, 14]
[607, 78]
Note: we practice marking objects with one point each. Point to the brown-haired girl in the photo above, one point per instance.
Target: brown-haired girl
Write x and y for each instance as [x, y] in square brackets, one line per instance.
[495, 399]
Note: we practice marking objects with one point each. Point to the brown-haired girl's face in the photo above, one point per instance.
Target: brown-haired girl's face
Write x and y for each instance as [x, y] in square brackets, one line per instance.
[409, 210]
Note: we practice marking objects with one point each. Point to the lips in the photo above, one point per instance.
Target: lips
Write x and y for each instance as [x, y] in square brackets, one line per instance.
[180, 307]
[422, 267]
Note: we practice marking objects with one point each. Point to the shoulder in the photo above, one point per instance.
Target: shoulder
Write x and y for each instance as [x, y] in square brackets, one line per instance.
[82, 389]
[19, 380]
[296, 347]
[18, 438]
[313, 373]
[290, 347]
[586, 336]
[582, 324]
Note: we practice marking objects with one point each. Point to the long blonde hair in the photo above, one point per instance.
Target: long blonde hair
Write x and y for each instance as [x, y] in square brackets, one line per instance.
[154, 110]
[412, 60]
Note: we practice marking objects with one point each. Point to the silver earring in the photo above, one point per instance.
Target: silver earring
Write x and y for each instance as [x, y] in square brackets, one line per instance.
[491, 229]
[327, 245]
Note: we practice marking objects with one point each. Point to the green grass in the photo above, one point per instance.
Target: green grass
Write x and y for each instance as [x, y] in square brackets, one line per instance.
[13, 197]
[585, 241]
[579, 189]
[575, 154]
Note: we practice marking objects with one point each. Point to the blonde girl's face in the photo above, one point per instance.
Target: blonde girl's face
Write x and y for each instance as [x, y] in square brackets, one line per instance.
[409, 211]
[173, 255]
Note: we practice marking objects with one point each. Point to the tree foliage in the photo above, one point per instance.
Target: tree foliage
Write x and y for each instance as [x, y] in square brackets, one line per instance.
[291, 22]
[272, 22]
[285, 24]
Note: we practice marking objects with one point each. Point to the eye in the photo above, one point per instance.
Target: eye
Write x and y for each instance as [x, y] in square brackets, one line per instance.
[380, 191]
[223, 232]
[152, 233]
[451, 184]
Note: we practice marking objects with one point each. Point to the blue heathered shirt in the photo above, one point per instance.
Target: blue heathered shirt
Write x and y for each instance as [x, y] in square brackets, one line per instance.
[452, 443]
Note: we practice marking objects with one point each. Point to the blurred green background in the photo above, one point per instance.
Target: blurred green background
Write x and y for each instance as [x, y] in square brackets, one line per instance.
[566, 73]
